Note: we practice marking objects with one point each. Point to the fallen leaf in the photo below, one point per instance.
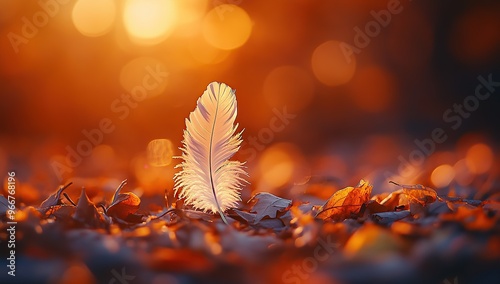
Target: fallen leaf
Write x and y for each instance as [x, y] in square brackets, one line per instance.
[459, 200]
[387, 218]
[268, 205]
[275, 224]
[419, 193]
[243, 216]
[346, 202]
[86, 212]
[395, 200]
[473, 219]
[62, 213]
[52, 200]
[373, 206]
[124, 205]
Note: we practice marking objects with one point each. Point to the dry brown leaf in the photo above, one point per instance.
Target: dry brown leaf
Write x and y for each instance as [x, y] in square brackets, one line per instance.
[373, 206]
[396, 200]
[387, 218]
[53, 199]
[86, 212]
[123, 204]
[268, 205]
[418, 193]
[346, 202]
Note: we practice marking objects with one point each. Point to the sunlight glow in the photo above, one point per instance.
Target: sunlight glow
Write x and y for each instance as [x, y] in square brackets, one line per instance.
[149, 21]
[204, 53]
[94, 17]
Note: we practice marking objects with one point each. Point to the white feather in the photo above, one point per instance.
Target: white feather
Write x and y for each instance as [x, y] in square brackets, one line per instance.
[209, 181]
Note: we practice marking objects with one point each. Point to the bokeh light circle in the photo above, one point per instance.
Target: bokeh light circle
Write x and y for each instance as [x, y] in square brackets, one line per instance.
[479, 158]
[160, 152]
[227, 27]
[333, 63]
[442, 175]
[149, 21]
[94, 17]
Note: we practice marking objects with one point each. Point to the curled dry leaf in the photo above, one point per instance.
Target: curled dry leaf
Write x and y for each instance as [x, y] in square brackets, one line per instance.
[372, 206]
[268, 205]
[387, 218]
[242, 216]
[86, 212]
[418, 193]
[346, 202]
[53, 199]
[126, 204]
[123, 204]
[395, 200]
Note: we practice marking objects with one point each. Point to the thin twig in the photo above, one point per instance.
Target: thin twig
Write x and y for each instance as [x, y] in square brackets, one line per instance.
[395, 183]
[69, 199]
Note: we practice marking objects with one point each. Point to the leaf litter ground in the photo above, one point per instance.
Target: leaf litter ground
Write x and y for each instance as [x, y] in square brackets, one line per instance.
[409, 235]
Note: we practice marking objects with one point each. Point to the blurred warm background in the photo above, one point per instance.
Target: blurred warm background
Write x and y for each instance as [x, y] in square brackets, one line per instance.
[328, 92]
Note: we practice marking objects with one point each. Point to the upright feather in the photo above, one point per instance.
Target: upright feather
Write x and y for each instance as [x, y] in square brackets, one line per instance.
[209, 181]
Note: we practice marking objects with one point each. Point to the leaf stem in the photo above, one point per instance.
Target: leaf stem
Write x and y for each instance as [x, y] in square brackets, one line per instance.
[117, 191]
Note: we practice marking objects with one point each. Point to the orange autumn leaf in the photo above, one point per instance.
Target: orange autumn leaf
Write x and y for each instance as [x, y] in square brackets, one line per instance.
[346, 202]
[395, 200]
[418, 193]
[123, 204]
[126, 203]
[473, 219]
